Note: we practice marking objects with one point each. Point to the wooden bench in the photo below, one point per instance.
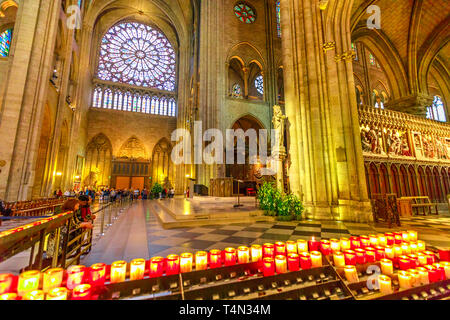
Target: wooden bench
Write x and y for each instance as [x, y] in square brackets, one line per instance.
[421, 202]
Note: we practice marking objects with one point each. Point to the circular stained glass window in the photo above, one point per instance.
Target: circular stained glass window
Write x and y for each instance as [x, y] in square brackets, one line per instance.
[244, 12]
[139, 55]
[237, 90]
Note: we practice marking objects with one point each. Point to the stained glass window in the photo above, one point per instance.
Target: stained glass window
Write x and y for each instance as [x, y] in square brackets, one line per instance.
[278, 9]
[244, 13]
[5, 42]
[355, 49]
[172, 107]
[155, 105]
[139, 55]
[372, 59]
[237, 90]
[437, 111]
[97, 98]
[259, 84]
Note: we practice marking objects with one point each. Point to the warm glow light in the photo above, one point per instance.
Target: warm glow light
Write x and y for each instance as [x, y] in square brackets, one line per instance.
[118, 271]
[34, 295]
[215, 258]
[404, 279]
[82, 292]
[230, 256]
[280, 264]
[268, 250]
[421, 246]
[305, 261]
[201, 260]
[405, 248]
[335, 245]
[351, 274]
[52, 279]
[415, 277]
[412, 236]
[302, 246]
[75, 276]
[345, 244]
[243, 254]
[423, 273]
[385, 284]
[137, 269]
[8, 296]
[291, 246]
[398, 251]
[360, 256]
[422, 258]
[389, 251]
[57, 294]
[293, 260]
[186, 262]
[316, 259]
[28, 281]
[313, 244]
[387, 268]
[373, 240]
[6, 280]
[256, 252]
[98, 274]
[268, 267]
[325, 247]
[350, 257]
[339, 259]
[157, 267]
[280, 248]
[382, 240]
[446, 266]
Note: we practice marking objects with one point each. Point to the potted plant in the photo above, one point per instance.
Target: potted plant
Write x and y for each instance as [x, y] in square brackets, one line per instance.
[156, 190]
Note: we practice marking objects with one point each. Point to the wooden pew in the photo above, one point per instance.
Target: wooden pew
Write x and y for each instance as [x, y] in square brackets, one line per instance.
[421, 202]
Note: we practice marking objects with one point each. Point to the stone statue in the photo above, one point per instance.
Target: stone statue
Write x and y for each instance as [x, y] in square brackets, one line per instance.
[279, 122]
[92, 178]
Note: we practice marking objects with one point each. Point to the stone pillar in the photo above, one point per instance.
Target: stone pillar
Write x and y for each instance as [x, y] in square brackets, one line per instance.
[24, 98]
[325, 147]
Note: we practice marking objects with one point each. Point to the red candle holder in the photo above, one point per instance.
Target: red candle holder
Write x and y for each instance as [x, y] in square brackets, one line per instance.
[430, 257]
[355, 242]
[291, 246]
[230, 256]
[390, 240]
[404, 264]
[325, 247]
[268, 250]
[280, 248]
[433, 273]
[379, 253]
[75, 276]
[82, 292]
[156, 267]
[6, 282]
[444, 255]
[350, 257]
[305, 261]
[398, 237]
[360, 256]
[172, 264]
[268, 267]
[370, 255]
[313, 244]
[293, 261]
[215, 258]
[414, 260]
[365, 241]
[98, 274]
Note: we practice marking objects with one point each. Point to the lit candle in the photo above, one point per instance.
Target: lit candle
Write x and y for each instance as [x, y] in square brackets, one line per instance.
[412, 236]
[422, 258]
[6, 280]
[430, 257]
[413, 260]
[325, 247]
[293, 261]
[256, 252]
[387, 267]
[98, 274]
[316, 259]
[280, 264]
[8, 296]
[423, 273]
[433, 273]
[201, 260]
[441, 271]
[268, 267]
[345, 244]
[355, 243]
[360, 256]
[351, 274]
[82, 292]
[390, 240]
[382, 241]
[34, 295]
[75, 276]
[186, 262]
[350, 257]
[28, 281]
[52, 279]
[365, 241]
[444, 255]
[339, 259]
[215, 258]
[415, 277]
[379, 253]
[404, 279]
[405, 236]
[403, 264]
[57, 294]
[405, 248]
[398, 250]
[335, 245]
[398, 238]
[118, 271]
[291, 246]
[373, 240]
[413, 247]
[243, 254]
[385, 284]
[389, 251]
[313, 244]
[421, 246]
[157, 266]
[370, 255]
[137, 269]
[302, 246]
[268, 250]
[280, 248]
[173, 264]
[446, 266]
[305, 261]
[230, 256]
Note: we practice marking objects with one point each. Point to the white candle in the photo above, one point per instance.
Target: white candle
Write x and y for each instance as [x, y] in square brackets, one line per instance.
[339, 259]
[404, 279]
[387, 267]
[316, 259]
[351, 274]
[385, 284]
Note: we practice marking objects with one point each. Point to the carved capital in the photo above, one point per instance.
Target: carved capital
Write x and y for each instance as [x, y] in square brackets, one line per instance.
[328, 46]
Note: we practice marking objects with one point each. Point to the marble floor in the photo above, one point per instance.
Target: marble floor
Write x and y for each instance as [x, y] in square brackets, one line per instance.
[138, 234]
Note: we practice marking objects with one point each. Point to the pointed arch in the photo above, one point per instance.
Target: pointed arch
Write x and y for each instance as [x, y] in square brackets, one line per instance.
[163, 169]
[98, 161]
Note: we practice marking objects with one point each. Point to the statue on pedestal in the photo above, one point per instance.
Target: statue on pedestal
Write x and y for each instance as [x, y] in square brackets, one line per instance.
[279, 121]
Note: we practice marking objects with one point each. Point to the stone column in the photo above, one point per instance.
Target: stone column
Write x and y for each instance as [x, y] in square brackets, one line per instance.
[325, 147]
[25, 92]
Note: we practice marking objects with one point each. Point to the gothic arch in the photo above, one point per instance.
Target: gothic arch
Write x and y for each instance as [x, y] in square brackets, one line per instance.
[98, 161]
[133, 148]
[163, 170]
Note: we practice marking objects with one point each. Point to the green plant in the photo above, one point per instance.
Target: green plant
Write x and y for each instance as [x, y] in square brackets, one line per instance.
[268, 197]
[274, 203]
[156, 189]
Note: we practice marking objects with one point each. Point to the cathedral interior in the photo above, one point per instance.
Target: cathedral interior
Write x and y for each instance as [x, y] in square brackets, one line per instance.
[92, 90]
